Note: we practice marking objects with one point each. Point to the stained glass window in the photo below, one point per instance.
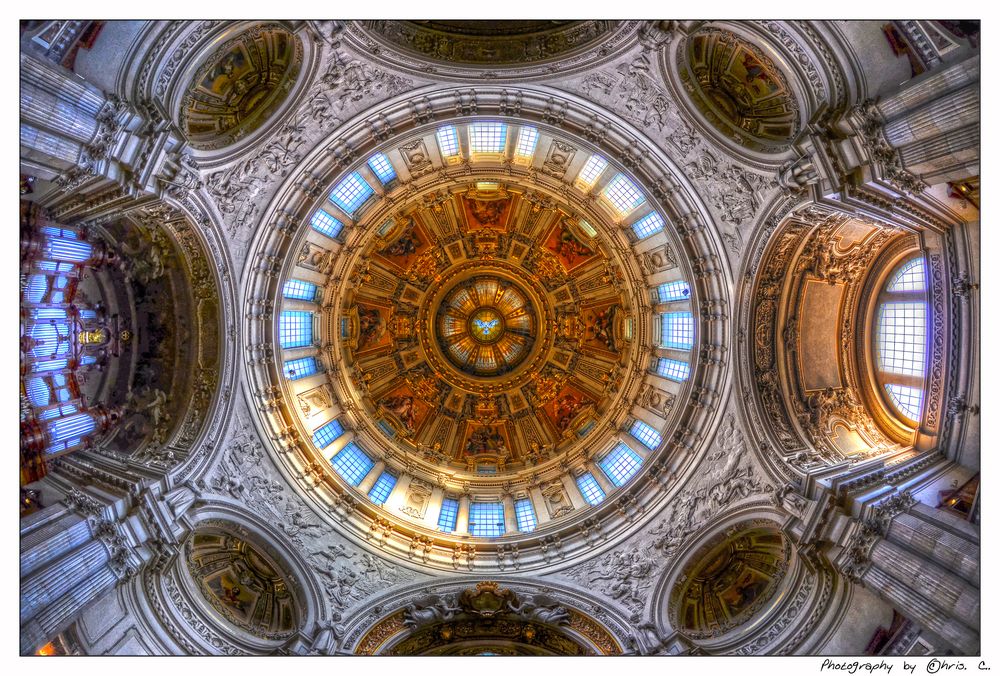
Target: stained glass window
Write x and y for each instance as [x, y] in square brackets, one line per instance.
[351, 193]
[448, 518]
[677, 330]
[299, 290]
[487, 137]
[525, 511]
[591, 490]
[901, 328]
[327, 434]
[623, 194]
[673, 369]
[527, 139]
[621, 464]
[352, 463]
[648, 225]
[486, 519]
[382, 488]
[300, 368]
[671, 291]
[902, 334]
[295, 329]
[649, 437]
[592, 170]
[380, 164]
[326, 224]
[447, 138]
[909, 277]
[906, 399]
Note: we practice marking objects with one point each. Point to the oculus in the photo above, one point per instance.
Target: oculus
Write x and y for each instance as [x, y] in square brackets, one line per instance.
[740, 90]
[240, 86]
[486, 326]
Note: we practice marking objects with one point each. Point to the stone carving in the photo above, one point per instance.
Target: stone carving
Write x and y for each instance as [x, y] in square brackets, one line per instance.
[418, 495]
[237, 190]
[558, 159]
[622, 575]
[487, 600]
[416, 158]
[645, 101]
[556, 499]
[733, 190]
[727, 476]
[430, 609]
[870, 127]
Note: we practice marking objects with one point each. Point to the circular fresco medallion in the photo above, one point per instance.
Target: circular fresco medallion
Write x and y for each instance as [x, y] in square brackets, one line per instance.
[485, 326]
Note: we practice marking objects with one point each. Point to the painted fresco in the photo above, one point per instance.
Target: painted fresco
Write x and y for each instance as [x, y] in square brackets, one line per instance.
[569, 248]
[492, 214]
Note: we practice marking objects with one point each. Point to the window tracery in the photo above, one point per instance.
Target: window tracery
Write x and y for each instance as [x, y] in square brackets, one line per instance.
[901, 338]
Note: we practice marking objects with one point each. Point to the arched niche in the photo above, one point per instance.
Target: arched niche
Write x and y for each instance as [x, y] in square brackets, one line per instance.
[742, 588]
[488, 617]
[234, 587]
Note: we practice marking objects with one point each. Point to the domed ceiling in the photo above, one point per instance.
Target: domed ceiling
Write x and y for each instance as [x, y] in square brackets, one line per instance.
[482, 329]
[492, 42]
[495, 348]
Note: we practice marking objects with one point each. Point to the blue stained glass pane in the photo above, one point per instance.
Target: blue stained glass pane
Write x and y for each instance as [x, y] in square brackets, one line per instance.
[380, 164]
[447, 138]
[591, 490]
[908, 400]
[909, 277]
[299, 290]
[382, 488]
[326, 224]
[486, 519]
[351, 193]
[673, 369]
[621, 464]
[327, 434]
[487, 137]
[648, 225]
[352, 463]
[295, 329]
[525, 511]
[649, 437]
[623, 194]
[677, 330]
[671, 291]
[448, 518]
[300, 368]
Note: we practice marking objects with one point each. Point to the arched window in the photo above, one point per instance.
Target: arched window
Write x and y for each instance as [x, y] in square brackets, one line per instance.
[900, 337]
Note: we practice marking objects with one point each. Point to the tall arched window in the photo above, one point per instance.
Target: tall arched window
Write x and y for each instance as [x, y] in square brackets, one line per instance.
[901, 325]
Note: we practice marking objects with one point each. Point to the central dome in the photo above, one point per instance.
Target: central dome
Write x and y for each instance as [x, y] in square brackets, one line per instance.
[486, 326]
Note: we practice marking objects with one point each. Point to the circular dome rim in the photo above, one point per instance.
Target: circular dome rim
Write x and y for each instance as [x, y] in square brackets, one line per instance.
[675, 197]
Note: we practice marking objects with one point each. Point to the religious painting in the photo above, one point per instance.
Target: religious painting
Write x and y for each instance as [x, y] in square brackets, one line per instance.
[569, 246]
[369, 326]
[405, 409]
[603, 328]
[566, 407]
[404, 245]
[482, 213]
[486, 445]
[744, 87]
[242, 585]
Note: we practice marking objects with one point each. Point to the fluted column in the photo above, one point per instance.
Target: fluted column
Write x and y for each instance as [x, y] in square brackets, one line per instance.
[936, 544]
[948, 592]
[59, 117]
[921, 611]
[933, 122]
[879, 556]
